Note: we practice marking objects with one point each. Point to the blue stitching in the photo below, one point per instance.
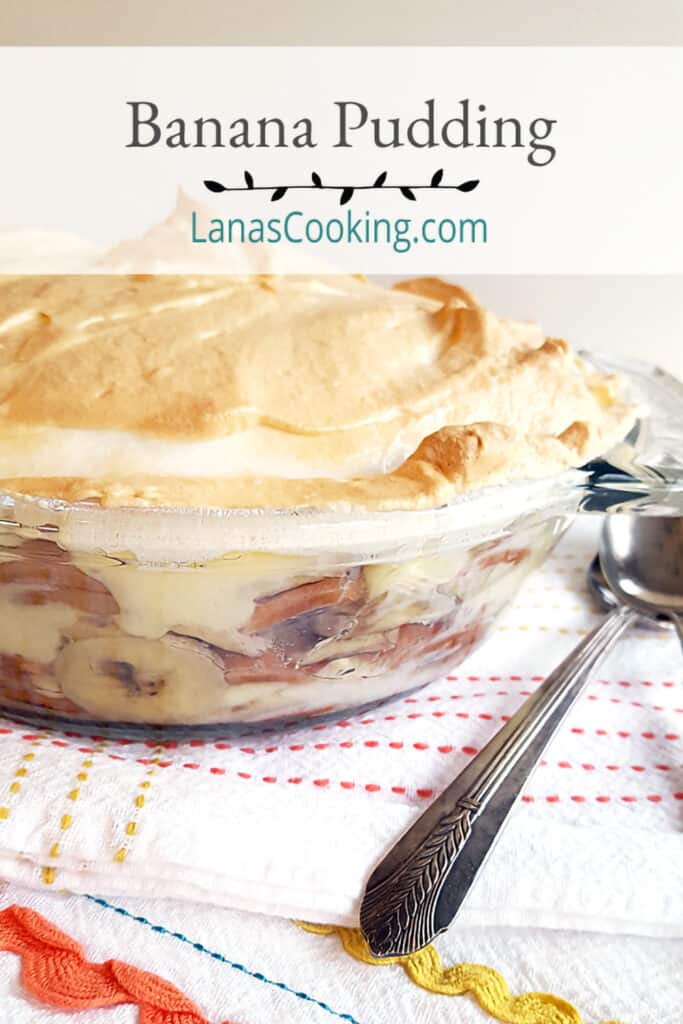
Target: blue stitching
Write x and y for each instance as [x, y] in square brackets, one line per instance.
[219, 956]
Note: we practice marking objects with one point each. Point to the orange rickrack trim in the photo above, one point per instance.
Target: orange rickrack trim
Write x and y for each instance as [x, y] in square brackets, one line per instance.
[54, 970]
[488, 987]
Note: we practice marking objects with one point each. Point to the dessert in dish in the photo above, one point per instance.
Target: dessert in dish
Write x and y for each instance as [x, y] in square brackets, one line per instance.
[239, 499]
[250, 636]
[275, 392]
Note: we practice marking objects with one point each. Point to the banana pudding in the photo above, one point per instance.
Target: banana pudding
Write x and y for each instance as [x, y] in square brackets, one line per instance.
[247, 499]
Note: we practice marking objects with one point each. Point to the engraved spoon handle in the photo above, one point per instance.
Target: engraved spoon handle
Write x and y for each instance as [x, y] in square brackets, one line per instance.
[418, 888]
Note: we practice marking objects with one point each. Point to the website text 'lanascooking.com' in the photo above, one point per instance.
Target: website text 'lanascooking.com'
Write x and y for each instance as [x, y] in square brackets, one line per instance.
[297, 228]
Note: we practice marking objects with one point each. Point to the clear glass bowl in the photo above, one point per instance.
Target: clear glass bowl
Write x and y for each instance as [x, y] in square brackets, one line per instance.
[178, 620]
[168, 619]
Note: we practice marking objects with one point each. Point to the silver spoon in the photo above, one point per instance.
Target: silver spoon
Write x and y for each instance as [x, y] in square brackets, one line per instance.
[606, 601]
[642, 559]
[418, 888]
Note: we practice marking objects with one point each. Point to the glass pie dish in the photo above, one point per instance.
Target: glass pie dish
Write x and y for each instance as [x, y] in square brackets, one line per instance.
[177, 620]
[169, 619]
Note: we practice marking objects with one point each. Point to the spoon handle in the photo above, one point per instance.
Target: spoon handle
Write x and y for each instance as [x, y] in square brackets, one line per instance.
[418, 888]
[678, 625]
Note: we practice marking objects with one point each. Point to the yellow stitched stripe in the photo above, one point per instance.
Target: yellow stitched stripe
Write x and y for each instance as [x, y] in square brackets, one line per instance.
[131, 827]
[15, 787]
[49, 872]
[488, 987]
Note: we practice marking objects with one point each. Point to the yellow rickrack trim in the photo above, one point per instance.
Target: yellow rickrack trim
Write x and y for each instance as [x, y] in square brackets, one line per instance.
[488, 987]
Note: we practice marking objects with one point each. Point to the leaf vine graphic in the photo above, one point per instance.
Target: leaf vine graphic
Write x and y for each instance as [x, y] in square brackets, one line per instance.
[346, 192]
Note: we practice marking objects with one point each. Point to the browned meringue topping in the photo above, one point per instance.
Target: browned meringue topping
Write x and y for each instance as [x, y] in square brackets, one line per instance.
[281, 392]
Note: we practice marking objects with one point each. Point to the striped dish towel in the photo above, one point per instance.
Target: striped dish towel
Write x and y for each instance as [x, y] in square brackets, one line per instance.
[291, 825]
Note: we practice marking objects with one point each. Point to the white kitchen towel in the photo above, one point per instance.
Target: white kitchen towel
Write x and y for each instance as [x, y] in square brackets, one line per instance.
[292, 824]
[242, 968]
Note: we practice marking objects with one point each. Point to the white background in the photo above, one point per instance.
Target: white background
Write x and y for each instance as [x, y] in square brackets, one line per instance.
[608, 203]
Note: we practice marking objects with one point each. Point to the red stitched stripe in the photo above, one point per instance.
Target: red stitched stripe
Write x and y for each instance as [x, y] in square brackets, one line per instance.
[527, 693]
[539, 679]
[349, 744]
[427, 793]
[421, 792]
[365, 721]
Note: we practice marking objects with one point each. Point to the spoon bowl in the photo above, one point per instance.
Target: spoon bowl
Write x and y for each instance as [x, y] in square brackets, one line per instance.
[606, 601]
[642, 561]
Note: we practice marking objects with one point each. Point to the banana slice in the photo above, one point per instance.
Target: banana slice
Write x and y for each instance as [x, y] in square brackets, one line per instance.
[128, 679]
